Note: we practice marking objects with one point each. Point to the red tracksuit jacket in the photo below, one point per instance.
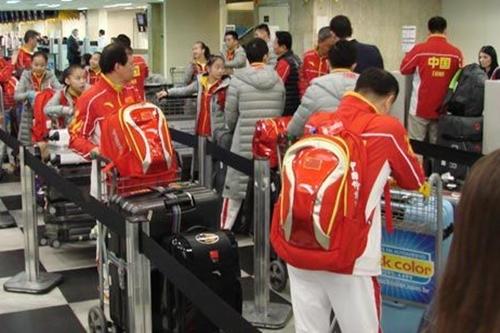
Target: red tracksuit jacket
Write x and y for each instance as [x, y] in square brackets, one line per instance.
[313, 66]
[23, 59]
[102, 99]
[141, 72]
[389, 152]
[433, 64]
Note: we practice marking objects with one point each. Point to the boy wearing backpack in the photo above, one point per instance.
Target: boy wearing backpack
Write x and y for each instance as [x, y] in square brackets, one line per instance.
[327, 221]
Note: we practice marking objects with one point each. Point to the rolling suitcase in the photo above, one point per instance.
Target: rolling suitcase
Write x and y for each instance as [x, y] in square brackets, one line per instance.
[65, 229]
[64, 220]
[197, 206]
[213, 258]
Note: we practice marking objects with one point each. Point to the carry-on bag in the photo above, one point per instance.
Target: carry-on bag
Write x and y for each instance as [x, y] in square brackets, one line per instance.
[162, 208]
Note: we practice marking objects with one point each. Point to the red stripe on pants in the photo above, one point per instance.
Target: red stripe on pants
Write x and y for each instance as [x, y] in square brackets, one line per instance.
[225, 205]
[376, 289]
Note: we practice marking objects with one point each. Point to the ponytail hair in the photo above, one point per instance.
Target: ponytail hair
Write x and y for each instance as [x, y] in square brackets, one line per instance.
[69, 71]
[206, 49]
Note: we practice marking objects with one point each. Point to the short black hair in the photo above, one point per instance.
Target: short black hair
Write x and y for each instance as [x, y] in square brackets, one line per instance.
[114, 53]
[68, 71]
[86, 58]
[343, 54]
[124, 40]
[40, 54]
[437, 24]
[284, 38]
[232, 33]
[30, 34]
[102, 32]
[341, 26]
[256, 50]
[377, 81]
[264, 27]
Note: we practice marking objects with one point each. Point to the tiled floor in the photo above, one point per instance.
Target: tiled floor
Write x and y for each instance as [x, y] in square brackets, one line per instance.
[65, 308]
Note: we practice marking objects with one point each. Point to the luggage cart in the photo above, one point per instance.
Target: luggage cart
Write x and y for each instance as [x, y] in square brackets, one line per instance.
[135, 270]
[413, 255]
[177, 75]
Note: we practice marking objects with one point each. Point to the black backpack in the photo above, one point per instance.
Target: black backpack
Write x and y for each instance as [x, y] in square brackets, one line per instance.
[466, 92]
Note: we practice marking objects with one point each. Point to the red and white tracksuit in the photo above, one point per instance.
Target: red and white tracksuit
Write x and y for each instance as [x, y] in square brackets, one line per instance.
[355, 297]
[313, 66]
[92, 76]
[23, 60]
[102, 99]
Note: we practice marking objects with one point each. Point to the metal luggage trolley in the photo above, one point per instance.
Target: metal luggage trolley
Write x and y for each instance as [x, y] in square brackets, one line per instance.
[135, 271]
[177, 75]
[412, 255]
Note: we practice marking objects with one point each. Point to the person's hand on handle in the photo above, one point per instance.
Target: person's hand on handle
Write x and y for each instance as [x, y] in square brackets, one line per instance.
[161, 94]
[94, 153]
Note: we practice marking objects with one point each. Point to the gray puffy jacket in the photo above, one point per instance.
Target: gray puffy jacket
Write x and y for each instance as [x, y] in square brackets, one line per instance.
[253, 94]
[324, 94]
[54, 109]
[23, 89]
[239, 60]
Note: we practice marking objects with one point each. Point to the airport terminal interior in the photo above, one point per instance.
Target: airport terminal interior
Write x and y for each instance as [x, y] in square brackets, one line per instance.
[202, 166]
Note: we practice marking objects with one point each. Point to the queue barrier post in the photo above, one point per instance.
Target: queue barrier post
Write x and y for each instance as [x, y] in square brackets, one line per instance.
[260, 312]
[204, 162]
[31, 280]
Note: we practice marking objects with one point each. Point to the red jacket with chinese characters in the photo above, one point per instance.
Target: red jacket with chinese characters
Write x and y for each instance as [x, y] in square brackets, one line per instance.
[433, 64]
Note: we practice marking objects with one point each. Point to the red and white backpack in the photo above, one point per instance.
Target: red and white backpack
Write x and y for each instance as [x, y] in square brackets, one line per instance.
[137, 141]
[319, 220]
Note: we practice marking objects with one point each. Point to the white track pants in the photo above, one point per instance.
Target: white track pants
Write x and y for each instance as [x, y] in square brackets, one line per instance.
[354, 299]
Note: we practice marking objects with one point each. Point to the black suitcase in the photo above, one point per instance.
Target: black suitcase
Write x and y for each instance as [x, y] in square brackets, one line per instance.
[198, 206]
[213, 258]
[64, 229]
[64, 208]
[458, 128]
[456, 170]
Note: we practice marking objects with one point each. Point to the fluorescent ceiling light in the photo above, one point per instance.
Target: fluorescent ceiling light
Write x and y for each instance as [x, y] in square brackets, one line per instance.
[55, 5]
[66, 0]
[82, 8]
[11, 2]
[42, 4]
[116, 5]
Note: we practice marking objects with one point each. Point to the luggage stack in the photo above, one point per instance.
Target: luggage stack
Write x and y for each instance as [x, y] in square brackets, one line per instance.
[183, 218]
[461, 125]
[64, 220]
[462, 133]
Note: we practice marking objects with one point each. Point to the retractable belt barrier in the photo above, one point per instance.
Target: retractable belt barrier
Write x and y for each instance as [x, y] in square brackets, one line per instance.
[445, 153]
[207, 301]
[231, 159]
